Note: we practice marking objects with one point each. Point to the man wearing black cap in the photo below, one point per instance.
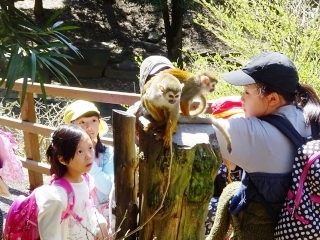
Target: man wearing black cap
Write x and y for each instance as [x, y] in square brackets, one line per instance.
[271, 86]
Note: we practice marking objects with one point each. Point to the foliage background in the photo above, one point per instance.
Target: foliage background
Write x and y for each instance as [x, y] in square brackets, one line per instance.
[241, 29]
[250, 27]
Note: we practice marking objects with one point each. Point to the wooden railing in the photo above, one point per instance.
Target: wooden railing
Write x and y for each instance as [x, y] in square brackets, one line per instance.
[31, 129]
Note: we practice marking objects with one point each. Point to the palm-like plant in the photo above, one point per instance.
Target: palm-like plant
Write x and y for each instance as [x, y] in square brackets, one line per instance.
[27, 49]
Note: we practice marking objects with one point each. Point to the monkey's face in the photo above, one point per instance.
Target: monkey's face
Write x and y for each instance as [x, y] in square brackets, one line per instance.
[211, 86]
[172, 97]
[208, 84]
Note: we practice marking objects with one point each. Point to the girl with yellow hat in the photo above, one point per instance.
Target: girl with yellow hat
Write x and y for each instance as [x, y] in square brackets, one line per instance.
[87, 115]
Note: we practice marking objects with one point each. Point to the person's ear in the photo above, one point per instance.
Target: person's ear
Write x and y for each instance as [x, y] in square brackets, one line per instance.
[62, 161]
[274, 99]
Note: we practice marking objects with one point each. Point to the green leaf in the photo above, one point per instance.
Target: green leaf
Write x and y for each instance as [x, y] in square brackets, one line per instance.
[33, 61]
[66, 28]
[54, 69]
[14, 69]
[43, 90]
[24, 90]
[57, 24]
[63, 39]
[26, 47]
[53, 17]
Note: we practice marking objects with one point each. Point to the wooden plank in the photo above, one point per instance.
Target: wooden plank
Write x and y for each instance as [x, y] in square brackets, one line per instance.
[32, 165]
[37, 128]
[31, 141]
[26, 126]
[81, 93]
[89, 94]
[107, 140]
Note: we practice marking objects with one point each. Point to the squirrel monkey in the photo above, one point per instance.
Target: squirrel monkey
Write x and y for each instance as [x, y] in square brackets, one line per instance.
[195, 86]
[161, 97]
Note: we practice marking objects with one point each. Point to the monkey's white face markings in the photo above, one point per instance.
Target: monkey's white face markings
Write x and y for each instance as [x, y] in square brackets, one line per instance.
[208, 85]
[172, 97]
[211, 86]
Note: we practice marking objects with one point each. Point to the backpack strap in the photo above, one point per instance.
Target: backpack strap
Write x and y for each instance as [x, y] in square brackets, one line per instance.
[65, 184]
[315, 130]
[292, 134]
[303, 177]
[86, 177]
[285, 126]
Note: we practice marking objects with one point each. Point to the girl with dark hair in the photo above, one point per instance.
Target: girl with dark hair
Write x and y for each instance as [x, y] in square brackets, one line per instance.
[87, 116]
[70, 156]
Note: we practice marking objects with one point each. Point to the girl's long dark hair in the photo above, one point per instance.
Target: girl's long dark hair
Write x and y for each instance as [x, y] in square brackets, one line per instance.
[305, 98]
[64, 142]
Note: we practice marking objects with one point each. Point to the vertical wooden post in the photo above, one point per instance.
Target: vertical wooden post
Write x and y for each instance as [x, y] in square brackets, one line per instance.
[196, 160]
[31, 140]
[125, 165]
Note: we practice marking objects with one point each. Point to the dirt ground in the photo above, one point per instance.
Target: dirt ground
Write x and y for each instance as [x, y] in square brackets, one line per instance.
[123, 26]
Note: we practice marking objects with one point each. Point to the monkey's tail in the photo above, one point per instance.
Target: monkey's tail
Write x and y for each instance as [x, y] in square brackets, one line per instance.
[208, 120]
[200, 109]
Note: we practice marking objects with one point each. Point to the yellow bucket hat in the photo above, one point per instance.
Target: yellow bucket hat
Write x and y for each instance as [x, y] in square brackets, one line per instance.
[79, 108]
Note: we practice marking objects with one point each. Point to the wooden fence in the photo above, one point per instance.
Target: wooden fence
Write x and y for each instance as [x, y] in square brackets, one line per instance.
[31, 129]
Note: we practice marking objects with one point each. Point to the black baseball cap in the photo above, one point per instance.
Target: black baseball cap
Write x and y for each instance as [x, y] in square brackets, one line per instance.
[272, 68]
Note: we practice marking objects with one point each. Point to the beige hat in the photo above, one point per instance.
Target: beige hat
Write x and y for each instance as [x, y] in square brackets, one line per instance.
[80, 107]
[152, 65]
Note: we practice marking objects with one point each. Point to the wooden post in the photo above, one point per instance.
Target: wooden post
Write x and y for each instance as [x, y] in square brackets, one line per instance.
[125, 165]
[196, 160]
[31, 140]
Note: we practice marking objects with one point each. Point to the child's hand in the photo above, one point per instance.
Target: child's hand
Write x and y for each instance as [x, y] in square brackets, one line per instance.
[104, 233]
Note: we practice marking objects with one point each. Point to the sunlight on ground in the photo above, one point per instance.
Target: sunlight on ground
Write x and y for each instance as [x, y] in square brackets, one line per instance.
[48, 4]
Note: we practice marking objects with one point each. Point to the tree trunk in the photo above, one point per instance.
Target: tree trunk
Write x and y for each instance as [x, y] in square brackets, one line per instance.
[38, 7]
[9, 9]
[125, 165]
[174, 31]
[196, 160]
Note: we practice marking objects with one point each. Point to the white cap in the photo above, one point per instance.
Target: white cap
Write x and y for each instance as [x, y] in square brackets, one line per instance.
[152, 65]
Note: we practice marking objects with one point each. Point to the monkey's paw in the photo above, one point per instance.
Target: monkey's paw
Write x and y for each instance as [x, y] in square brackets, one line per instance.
[166, 141]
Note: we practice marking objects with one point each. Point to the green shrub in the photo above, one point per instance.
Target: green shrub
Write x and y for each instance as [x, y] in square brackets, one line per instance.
[247, 28]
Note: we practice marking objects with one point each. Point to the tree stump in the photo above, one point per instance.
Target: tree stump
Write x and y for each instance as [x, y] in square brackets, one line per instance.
[195, 163]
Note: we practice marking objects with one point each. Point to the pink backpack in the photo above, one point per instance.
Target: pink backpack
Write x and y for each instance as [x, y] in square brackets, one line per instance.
[22, 223]
[11, 167]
